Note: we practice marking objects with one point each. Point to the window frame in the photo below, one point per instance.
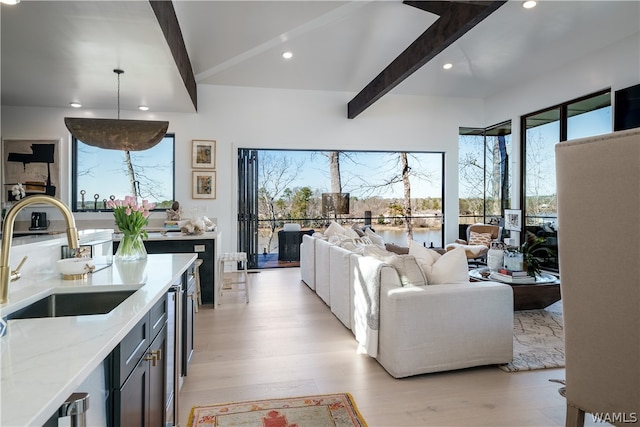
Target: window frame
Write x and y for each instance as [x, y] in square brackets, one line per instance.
[563, 118]
[74, 182]
[499, 129]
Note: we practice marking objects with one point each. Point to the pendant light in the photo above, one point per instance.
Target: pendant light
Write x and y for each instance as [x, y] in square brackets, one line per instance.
[117, 134]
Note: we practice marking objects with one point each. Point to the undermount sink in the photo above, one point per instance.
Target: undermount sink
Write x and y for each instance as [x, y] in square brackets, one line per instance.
[72, 304]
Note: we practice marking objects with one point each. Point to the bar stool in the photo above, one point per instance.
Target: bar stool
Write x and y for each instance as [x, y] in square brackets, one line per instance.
[197, 265]
[233, 257]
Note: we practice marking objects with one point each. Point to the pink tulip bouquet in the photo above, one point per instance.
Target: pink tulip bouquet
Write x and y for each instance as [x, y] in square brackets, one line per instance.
[131, 219]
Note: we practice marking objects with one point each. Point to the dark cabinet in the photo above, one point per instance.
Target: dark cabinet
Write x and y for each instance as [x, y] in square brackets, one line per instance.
[139, 372]
[142, 397]
[147, 368]
[204, 248]
[132, 398]
[157, 380]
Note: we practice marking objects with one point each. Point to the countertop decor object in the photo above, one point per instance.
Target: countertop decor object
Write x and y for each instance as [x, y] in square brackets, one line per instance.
[131, 219]
[197, 226]
[75, 268]
[495, 256]
[117, 134]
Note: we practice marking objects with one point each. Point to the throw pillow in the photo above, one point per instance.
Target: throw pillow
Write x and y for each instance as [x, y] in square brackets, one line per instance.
[357, 230]
[377, 252]
[422, 254]
[479, 239]
[350, 232]
[439, 269]
[333, 229]
[349, 245]
[408, 270]
[406, 266]
[366, 241]
[400, 250]
[375, 238]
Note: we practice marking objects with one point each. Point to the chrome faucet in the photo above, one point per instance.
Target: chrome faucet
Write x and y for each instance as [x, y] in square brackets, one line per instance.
[6, 275]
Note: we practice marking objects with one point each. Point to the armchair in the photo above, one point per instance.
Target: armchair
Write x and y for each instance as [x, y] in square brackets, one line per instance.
[479, 238]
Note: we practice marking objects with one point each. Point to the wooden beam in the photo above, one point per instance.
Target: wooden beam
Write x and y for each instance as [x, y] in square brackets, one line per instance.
[166, 16]
[456, 19]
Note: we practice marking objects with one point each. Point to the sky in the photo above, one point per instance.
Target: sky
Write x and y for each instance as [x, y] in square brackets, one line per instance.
[543, 139]
[103, 172]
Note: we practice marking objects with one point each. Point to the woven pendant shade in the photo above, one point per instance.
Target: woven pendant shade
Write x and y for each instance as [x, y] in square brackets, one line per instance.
[116, 134]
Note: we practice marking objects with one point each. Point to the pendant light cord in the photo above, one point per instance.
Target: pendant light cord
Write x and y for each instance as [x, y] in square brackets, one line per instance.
[118, 72]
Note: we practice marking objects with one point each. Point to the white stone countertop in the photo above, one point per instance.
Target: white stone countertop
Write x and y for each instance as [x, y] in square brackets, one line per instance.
[174, 235]
[44, 360]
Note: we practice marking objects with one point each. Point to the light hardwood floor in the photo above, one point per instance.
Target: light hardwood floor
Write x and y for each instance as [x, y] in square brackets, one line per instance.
[286, 342]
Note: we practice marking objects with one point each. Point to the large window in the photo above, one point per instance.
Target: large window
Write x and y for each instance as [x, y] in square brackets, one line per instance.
[395, 192]
[98, 174]
[484, 175]
[541, 131]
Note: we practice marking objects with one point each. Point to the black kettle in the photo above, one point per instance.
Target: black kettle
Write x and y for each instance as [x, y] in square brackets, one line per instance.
[39, 220]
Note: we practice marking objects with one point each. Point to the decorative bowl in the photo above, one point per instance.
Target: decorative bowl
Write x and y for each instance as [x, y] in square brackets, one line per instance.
[75, 266]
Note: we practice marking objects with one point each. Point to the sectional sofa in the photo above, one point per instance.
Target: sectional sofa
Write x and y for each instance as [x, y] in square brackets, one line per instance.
[415, 313]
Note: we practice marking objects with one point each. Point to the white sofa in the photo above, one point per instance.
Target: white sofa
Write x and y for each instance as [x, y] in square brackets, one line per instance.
[421, 329]
[308, 261]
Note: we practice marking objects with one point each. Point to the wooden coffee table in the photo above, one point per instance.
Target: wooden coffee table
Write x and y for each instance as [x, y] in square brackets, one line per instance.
[532, 296]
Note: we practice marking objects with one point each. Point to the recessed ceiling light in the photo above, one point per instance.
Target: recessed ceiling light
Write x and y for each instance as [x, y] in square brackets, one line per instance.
[287, 55]
[448, 66]
[529, 4]
[143, 108]
[75, 104]
[12, 2]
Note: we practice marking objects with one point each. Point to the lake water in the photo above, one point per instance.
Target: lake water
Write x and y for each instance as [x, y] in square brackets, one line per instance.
[399, 237]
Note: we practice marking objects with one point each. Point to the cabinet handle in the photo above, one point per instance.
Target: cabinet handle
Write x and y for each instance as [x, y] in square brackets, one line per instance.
[154, 356]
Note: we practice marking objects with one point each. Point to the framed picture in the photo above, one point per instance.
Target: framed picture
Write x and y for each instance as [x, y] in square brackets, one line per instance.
[34, 163]
[204, 185]
[203, 155]
[513, 219]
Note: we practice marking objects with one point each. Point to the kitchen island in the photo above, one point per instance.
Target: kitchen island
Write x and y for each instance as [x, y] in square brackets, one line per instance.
[44, 360]
[205, 245]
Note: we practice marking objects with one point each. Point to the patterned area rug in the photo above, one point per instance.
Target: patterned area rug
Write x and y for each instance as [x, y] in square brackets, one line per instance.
[337, 410]
[538, 339]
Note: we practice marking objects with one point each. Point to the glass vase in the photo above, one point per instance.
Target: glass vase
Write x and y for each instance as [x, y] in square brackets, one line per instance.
[131, 248]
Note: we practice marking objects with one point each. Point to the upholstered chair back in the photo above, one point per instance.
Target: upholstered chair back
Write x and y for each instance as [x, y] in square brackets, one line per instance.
[494, 230]
[598, 183]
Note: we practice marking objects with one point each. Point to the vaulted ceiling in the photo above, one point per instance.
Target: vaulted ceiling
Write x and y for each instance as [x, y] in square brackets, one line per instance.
[55, 52]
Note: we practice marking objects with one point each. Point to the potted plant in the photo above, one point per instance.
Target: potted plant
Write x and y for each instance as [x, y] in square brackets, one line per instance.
[532, 250]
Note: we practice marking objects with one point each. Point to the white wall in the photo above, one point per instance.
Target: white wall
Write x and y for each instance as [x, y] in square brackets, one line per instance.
[268, 118]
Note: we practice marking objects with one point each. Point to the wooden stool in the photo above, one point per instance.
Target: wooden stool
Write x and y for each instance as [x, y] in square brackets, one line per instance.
[233, 257]
[197, 265]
